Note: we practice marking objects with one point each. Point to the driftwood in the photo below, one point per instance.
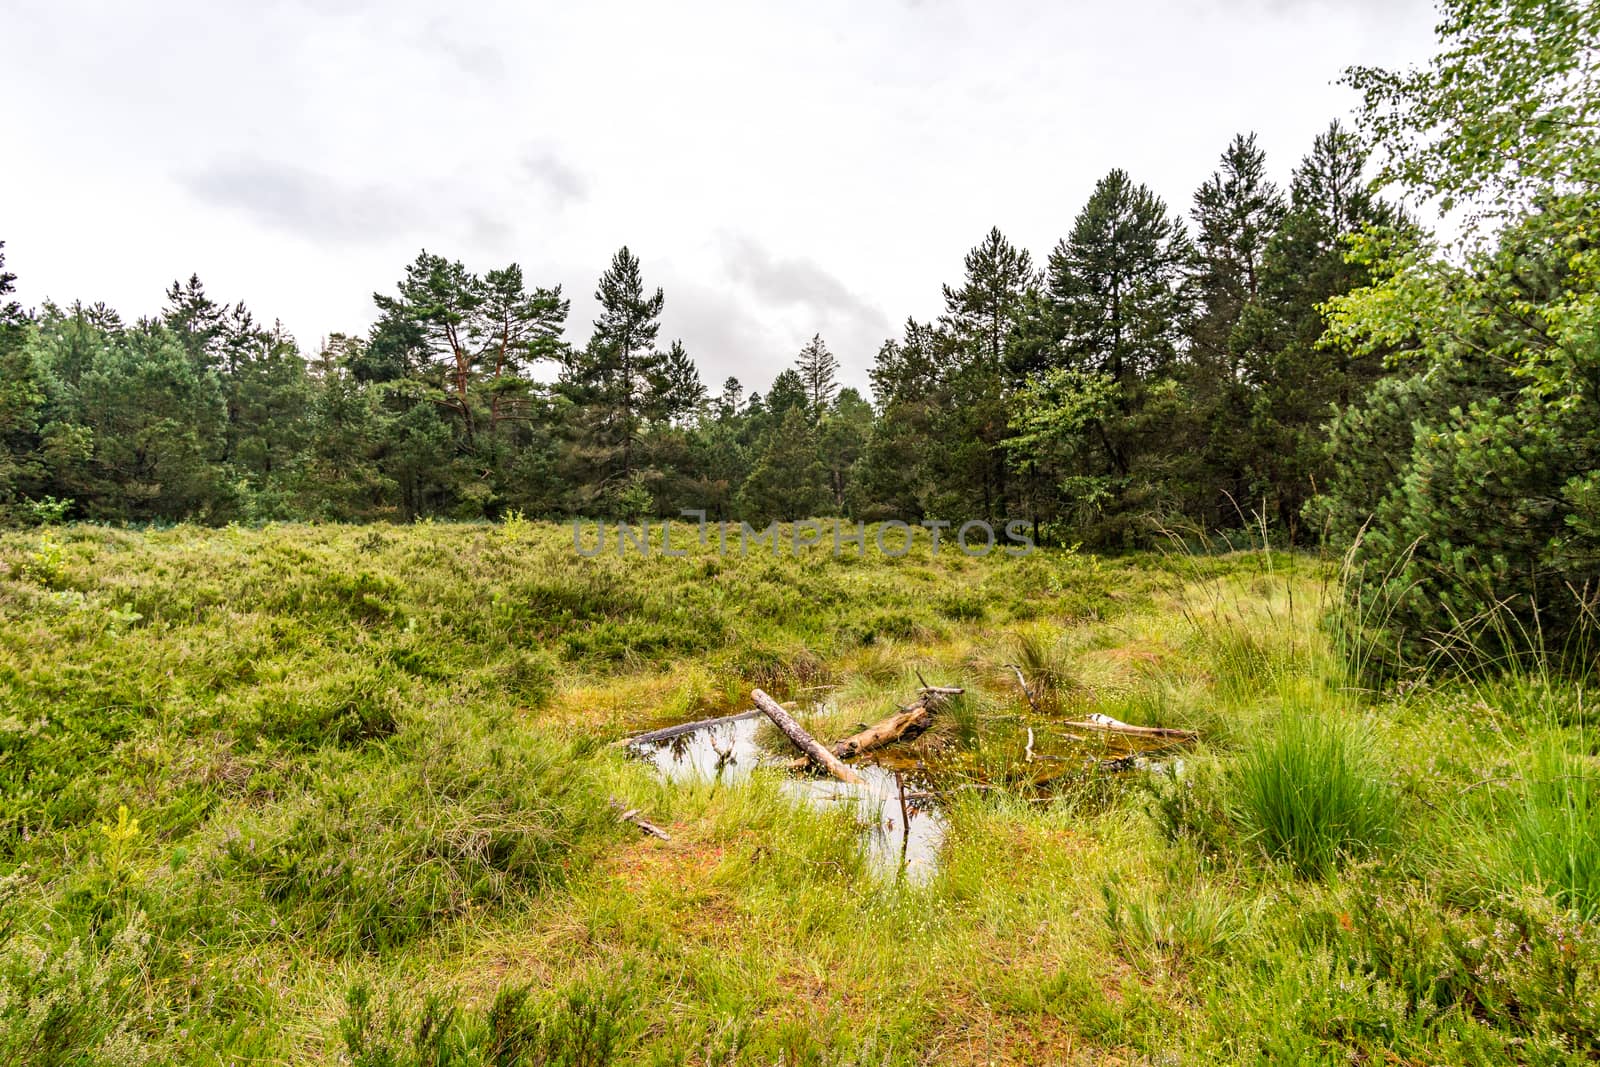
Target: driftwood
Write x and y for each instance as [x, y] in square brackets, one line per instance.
[906, 723]
[626, 814]
[666, 733]
[803, 741]
[1106, 724]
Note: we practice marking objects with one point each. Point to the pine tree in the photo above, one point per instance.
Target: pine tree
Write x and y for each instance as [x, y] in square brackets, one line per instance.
[436, 309]
[1296, 380]
[1236, 212]
[199, 322]
[842, 438]
[514, 329]
[979, 321]
[1118, 282]
[818, 370]
[1120, 294]
[986, 309]
[788, 391]
[788, 481]
[624, 336]
[23, 406]
[730, 400]
[676, 392]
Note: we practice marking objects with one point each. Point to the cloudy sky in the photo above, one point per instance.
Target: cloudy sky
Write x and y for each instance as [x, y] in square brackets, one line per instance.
[780, 168]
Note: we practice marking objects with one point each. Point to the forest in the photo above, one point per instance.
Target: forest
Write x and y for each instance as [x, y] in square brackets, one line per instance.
[1154, 367]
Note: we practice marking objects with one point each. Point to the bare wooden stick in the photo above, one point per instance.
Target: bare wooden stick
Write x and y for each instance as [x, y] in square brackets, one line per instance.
[803, 741]
[1107, 724]
[633, 815]
[1026, 691]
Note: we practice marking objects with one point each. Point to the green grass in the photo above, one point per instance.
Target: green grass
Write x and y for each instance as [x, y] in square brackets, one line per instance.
[341, 795]
[1312, 794]
[1555, 824]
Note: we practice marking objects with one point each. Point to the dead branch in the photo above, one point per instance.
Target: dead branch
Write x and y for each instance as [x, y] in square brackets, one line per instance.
[668, 732]
[1027, 690]
[1106, 724]
[906, 723]
[802, 740]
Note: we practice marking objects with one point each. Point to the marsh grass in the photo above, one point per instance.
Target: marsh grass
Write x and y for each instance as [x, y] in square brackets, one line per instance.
[1555, 824]
[367, 776]
[1312, 794]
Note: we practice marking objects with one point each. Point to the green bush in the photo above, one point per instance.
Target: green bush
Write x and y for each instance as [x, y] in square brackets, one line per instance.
[1467, 492]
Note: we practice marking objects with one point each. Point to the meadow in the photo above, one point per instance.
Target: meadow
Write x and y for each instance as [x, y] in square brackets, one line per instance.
[343, 794]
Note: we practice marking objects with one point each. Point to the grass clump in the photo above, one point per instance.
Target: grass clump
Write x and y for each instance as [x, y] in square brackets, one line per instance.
[589, 1024]
[1555, 828]
[1311, 794]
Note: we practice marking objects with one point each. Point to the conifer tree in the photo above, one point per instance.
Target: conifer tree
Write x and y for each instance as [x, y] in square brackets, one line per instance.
[1118, 282]
[676, 392]
[788, 480]
[986, 309]
[818, 370]
[1236, 212]
[1298, 381]
[620, 357]
[979, 321]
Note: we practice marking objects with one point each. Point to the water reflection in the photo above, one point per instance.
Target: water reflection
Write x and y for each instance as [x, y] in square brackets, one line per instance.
[901, 838]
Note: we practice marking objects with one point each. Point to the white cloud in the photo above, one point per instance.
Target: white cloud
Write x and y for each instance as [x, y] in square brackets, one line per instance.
[297, 154]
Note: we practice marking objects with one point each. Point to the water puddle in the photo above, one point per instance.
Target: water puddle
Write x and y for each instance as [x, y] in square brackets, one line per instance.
[895, 806]
[901, 840]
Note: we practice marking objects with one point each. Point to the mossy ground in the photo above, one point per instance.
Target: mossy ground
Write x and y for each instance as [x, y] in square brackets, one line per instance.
[366, 779]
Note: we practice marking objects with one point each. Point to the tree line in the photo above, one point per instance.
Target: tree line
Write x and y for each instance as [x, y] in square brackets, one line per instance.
[1149, 372]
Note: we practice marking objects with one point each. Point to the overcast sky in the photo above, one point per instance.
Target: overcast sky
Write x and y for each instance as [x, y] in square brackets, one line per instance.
[781, 169]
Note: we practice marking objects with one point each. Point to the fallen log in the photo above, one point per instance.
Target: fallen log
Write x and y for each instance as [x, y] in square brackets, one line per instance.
[906, 723]
[668, 732]
[625, 814]
[1107, 724]
[900, 725]
[803, 741]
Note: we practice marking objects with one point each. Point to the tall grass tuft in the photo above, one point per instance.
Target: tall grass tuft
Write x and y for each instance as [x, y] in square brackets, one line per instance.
[1045, 659]
[1555, 828]
[1310, 793]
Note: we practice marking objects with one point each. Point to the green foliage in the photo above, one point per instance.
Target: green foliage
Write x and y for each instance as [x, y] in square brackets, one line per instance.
[590, 1025]
[77, 1003]
[1484, 549]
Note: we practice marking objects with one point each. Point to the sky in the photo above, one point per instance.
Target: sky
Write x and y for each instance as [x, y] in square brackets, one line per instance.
[781, 169]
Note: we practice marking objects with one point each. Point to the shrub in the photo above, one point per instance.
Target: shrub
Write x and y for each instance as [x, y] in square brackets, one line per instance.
[1468, 490]
[73, 1004]
[1310, 793]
